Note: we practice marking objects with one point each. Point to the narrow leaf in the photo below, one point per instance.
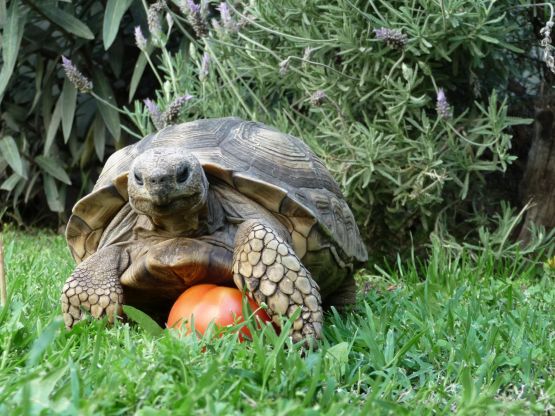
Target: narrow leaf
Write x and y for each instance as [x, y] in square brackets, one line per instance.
[115, 9]
[69, 99]
[109, 114]
[11, 182]
[53, 168]
[52, 195]
[43, 341]
[99, 136]
[11, 39]
[10, 153]
[140, 66]
[65, 21]
[144, 321]
[53, 126]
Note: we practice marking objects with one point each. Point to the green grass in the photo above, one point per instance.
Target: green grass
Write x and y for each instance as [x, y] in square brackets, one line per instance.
[452, 336]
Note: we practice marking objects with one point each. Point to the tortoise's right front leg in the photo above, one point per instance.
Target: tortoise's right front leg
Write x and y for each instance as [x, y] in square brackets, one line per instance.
[95, 286]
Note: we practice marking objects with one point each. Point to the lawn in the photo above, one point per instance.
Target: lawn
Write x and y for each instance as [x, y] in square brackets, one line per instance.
[452, 335]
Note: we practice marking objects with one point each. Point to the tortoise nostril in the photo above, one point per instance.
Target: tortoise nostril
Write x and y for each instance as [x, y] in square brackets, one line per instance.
[182, 174]
[138, 178]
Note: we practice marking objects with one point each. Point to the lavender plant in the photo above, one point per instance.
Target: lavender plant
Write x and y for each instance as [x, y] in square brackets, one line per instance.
[405, 101]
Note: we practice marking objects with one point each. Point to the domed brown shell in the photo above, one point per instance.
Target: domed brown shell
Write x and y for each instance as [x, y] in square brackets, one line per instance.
[274, 169]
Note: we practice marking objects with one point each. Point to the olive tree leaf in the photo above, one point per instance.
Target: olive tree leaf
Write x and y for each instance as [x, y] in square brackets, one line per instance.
[69, 100]
[53, 168]
[53, 197]
[115, 9]
[53, 126]
[99, 136]
[3, 12]
[109, 114]
[10, 153]
[64, 20]
[11, 40]
[11, 182]
[140, 66]
[144, 321]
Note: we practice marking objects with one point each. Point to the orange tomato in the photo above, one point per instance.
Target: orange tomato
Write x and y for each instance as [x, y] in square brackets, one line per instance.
[206, 303]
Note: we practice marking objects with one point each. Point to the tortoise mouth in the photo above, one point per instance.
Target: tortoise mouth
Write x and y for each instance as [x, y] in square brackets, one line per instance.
[161, 207]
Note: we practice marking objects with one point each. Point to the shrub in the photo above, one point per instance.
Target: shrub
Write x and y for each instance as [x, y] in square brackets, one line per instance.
[405, 101]
[51, 136]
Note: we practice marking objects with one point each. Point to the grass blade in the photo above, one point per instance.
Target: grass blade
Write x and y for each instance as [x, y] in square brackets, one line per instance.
[144, 321]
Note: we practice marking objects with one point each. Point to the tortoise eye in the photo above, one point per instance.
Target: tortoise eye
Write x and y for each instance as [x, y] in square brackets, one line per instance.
[182, 174]
[138, 178]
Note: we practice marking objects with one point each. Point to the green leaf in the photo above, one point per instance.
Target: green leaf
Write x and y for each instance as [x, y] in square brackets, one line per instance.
[115, 9]
[65, 21]
[338, 356]
[10, 152]
[69, 100]
[53, 126]
[11, 182]
[53, 168]
[99, 133]
[109, 114]
[53, 197]
[144, 321]
[10, 41]
[489, 39]
[43, 341]
[140, 66]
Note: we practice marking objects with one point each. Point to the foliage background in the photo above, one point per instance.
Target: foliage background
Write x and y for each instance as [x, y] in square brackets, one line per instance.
[365, 102]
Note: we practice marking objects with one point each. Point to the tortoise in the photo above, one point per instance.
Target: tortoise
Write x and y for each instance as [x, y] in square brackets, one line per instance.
[214, 201]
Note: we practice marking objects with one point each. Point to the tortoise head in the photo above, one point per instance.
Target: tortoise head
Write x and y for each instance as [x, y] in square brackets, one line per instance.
[168, 186]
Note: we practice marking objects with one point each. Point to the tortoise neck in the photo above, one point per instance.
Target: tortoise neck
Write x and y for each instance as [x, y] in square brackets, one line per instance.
[203, 221]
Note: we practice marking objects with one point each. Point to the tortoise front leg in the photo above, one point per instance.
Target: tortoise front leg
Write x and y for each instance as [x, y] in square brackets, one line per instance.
[95, 286]
[267, 266]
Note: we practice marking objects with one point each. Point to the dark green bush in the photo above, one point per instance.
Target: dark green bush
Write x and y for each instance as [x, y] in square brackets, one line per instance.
[405, 101]
[51, 136]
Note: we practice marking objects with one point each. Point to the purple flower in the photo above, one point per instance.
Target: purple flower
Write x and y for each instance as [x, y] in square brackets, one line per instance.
[392, 37]
[172, 112]
[80, 82]
[318, 98]
[140, 39]
[225, 15]
[154, 112]
[153, 17]
[194, 15]
[193, 7]
[442, 105]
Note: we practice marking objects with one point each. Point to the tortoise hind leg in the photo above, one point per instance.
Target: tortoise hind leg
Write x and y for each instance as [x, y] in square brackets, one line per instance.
[266, 265]
[94, 286]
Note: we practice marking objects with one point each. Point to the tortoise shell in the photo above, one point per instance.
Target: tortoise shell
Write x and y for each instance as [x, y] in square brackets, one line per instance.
[274, 169]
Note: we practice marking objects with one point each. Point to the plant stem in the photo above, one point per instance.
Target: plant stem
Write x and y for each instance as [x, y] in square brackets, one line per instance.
[147, 56]
[170, 68]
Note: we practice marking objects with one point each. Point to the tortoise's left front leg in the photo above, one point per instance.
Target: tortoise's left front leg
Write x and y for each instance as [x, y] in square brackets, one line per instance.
[266, 265]
[94, 286]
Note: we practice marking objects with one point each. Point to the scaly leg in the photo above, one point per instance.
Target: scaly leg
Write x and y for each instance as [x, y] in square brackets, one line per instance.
[95, 286]
[265, 264]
